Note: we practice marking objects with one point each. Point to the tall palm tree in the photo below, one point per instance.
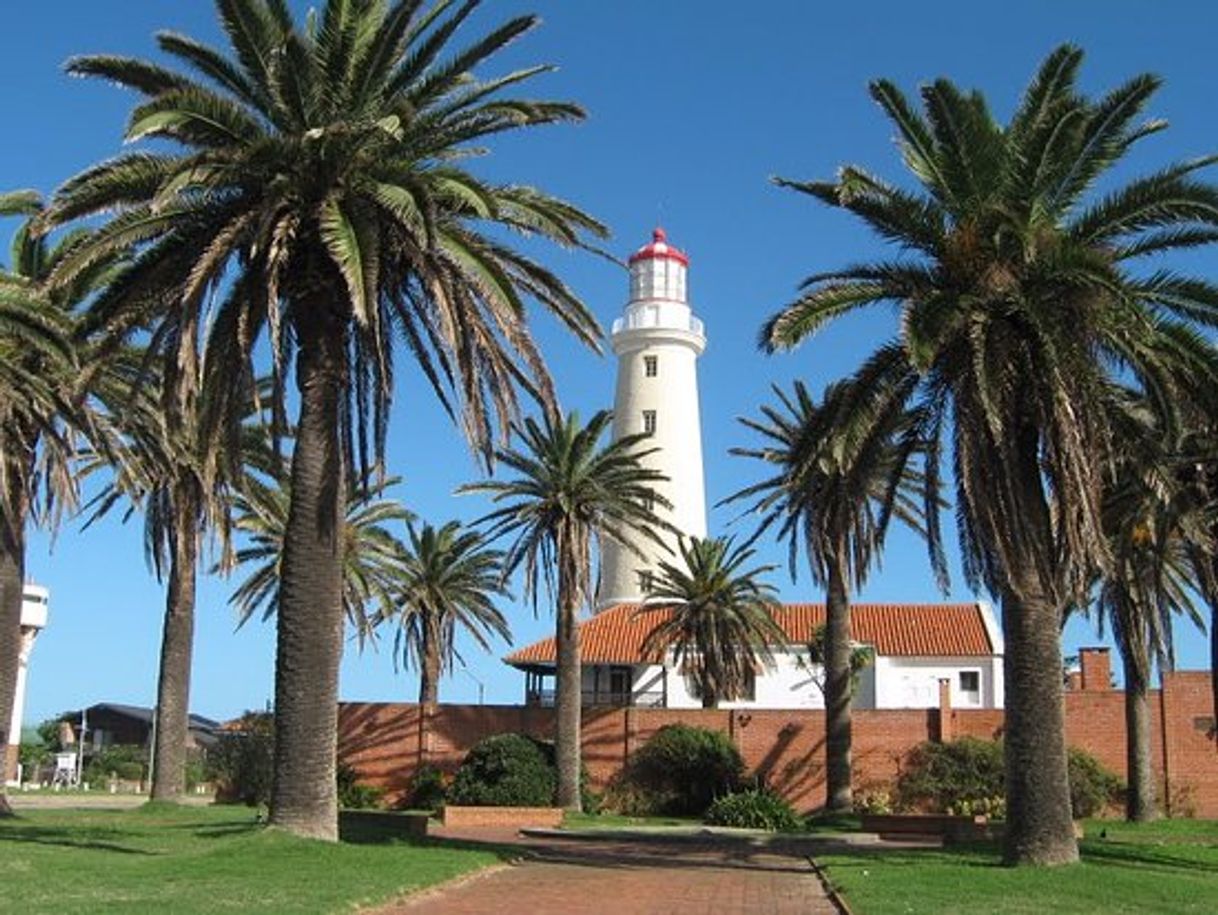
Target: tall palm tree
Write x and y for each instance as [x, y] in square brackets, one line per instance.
[311, 176]
[570, 493]
[448, 580]
[841, 471]
[1019, 299]
[717, 619]
[43, 405]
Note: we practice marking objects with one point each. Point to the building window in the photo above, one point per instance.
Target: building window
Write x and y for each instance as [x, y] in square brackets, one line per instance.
[651, 366]
[647, 581]
[649, 422]
[970, 685]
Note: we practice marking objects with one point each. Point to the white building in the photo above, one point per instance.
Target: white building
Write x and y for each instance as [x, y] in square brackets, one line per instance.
[33, 620]
[915, 646]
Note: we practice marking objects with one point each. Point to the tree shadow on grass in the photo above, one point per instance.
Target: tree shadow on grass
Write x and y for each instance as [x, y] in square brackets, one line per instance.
[68, 838]
[1164, 858]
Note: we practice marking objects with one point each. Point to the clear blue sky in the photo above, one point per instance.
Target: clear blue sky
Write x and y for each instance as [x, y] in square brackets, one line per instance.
[692, 107]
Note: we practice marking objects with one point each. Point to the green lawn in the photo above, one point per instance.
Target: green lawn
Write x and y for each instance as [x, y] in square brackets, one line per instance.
[1170, 866]
[206, 859]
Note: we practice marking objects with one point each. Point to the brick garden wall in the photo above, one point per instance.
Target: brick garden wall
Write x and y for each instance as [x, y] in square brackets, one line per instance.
[386, 742]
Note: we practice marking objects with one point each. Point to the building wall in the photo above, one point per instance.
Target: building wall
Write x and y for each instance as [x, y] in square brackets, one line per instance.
[387, 742]
[889, 683]
[914, 682]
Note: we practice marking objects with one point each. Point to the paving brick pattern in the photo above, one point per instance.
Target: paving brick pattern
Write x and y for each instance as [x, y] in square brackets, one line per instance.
[630, 878]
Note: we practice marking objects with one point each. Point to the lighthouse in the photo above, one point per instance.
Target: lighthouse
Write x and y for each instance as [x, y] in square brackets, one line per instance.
[657, 341]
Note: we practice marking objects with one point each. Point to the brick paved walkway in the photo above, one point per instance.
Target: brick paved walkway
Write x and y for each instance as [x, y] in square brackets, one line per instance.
[637, 877]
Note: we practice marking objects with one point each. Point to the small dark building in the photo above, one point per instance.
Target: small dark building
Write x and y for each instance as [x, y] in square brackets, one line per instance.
[109, 724]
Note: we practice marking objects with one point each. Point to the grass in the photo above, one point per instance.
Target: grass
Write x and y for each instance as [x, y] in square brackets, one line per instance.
[1170, 866]
[161, 858]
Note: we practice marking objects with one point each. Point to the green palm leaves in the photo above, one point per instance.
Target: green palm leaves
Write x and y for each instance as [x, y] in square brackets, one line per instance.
[449, 579]
[371, 554]
[322, 166]
[840, 471]
[570, 490]
[718, 623]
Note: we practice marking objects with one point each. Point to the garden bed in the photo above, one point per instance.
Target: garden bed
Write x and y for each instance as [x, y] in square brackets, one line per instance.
[951, 828]
[548, 817]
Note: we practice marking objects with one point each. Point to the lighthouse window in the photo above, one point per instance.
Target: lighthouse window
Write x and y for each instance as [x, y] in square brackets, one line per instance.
[651, 366]
[647, 581]
[649, 422]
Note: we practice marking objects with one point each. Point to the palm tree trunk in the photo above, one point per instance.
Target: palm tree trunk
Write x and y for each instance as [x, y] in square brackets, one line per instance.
[177, 648]
[1039, 823]
[1140, 797]
[568, 702]
[838, 794]
[12, 587]
[1039, 829]
[710, 698]
[569, 681]
[310, 623]
[429, 673]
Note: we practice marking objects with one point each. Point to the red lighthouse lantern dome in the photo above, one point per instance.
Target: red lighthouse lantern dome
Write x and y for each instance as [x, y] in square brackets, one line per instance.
[658, 271]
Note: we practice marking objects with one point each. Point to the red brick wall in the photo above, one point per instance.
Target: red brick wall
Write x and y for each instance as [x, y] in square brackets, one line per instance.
[385, 742]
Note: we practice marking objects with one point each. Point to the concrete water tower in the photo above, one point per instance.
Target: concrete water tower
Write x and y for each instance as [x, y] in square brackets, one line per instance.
[657, 342]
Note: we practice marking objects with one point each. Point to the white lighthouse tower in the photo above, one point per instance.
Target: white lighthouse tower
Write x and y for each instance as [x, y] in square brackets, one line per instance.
[658, 341]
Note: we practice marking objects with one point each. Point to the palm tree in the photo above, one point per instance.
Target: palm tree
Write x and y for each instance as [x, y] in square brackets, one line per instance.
[312, 178]
[449, 578]
[43, 383]
[716, 620]
[842, 470]
[1018, 303]
[160, 465]
[1156, 531]
[570, 493]
[372, 557]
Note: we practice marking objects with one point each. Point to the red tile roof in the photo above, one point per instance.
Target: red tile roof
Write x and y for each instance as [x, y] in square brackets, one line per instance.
[616, 634]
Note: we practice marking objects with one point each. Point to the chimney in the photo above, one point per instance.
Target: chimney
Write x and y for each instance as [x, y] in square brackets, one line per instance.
[945, 722]
[1096, 669]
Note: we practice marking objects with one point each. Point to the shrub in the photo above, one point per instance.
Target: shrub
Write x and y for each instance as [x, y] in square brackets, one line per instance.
[507, 770]
[196, 770]
[426, 790]
[943, 776]
[756, 808]
[354, 796]
[241, 762]
[127, 762]
[679, 771]
[965, 777]
[1092, 787]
